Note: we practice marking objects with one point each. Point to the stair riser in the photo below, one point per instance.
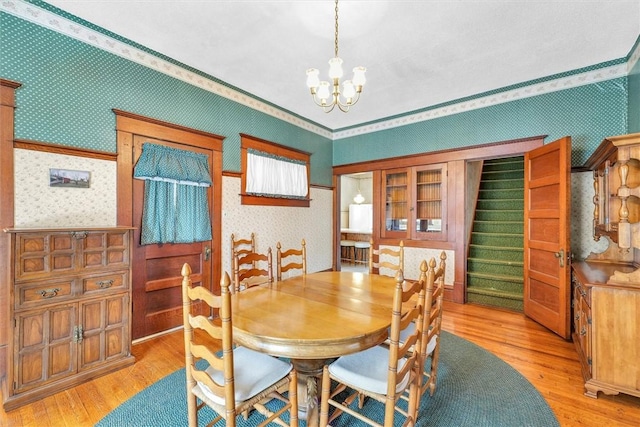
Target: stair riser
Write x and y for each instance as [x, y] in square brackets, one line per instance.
[500, 205]
[488, 267]
[489, 215]
[495, 302]
[513, 285]
[517, 254]
[502, 185]
[502, 175]
[495, 194]
[514, 241]
[498, 227]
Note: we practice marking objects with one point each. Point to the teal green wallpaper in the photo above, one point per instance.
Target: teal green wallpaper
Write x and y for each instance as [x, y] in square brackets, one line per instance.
[586, 113]
[69, 88]
[634, 92]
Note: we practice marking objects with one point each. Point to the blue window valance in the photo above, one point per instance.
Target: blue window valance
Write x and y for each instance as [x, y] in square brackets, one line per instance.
[175, 207]
[161, 163]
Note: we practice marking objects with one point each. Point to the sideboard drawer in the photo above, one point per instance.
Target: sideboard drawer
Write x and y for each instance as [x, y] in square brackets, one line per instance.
[105, 282]
[38, 293]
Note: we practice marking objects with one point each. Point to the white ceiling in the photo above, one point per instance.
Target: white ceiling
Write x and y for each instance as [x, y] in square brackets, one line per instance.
[417, 53]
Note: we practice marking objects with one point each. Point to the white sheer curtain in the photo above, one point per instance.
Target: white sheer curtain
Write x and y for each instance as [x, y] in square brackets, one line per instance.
[275, 177]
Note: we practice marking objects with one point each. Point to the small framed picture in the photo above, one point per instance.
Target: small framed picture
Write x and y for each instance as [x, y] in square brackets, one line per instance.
[69, 178]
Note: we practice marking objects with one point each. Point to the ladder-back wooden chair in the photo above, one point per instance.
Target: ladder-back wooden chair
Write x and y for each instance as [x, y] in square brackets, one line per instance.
[432, 327]
[242, 247]
[236, 379]
[386, 258]
[381, 373]
[252, 269]
[431, 332]
[291, 259]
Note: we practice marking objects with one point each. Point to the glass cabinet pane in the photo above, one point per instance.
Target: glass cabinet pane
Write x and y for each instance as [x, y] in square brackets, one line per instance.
[429, 201]
[397, 195]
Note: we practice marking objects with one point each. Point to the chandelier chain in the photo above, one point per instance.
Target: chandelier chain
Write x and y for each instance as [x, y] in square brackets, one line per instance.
[336, 34]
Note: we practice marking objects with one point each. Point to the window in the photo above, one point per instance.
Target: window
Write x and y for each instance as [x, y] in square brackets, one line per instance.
[273, 174]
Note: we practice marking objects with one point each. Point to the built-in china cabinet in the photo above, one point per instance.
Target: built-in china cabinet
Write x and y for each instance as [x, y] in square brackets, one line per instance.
[415, 203]
[426, 200]
[606, 286]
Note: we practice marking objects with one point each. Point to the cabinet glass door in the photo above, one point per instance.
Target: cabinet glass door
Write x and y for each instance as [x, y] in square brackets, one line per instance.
[396, 203]
[430, 185]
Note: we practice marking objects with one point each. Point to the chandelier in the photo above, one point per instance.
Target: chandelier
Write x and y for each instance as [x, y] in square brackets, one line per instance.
[328, 98]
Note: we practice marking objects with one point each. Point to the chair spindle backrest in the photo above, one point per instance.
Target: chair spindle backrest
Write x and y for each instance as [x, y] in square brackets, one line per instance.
[386, 257]
[299, 261]
[252, 269]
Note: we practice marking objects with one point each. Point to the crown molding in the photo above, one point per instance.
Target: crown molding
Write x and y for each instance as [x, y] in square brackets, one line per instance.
[70, 28]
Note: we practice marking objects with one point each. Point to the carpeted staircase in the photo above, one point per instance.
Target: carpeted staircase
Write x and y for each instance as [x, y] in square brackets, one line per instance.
[495, 261]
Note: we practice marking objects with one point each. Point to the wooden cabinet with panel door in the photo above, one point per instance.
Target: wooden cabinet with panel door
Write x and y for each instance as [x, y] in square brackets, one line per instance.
[69, 309]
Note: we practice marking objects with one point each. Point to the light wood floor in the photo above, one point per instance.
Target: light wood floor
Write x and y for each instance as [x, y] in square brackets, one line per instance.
[549, 362]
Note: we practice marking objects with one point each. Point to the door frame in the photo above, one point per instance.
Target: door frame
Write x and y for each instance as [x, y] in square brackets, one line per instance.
[130, 124]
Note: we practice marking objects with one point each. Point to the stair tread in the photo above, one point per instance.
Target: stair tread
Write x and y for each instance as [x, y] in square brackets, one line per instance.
[496, 292]
[497, 221]
[480, 199]
[502, 189]
[497, 261]
[496, 234]
[501, 210]
[504, 278]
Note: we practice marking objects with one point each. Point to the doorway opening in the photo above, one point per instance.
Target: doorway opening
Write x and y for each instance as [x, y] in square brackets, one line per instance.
[356, 221]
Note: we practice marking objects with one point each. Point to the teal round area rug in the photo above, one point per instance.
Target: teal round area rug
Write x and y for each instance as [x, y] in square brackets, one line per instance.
[475, 388]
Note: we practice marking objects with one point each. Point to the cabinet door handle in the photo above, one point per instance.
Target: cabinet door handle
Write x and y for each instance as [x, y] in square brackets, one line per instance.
[49, 293]
[77, 334]
[207, 253]
[79, 234]
[104, 284]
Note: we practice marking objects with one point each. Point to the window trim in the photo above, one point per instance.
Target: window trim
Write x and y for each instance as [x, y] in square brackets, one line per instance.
[251, 142]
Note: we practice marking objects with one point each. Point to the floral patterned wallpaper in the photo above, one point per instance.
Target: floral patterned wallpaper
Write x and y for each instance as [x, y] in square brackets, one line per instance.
[39, 205]
[275, 223]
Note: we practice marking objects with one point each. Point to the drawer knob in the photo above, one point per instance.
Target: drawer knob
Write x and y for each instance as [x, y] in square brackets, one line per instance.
[49, 293]
[104, 284]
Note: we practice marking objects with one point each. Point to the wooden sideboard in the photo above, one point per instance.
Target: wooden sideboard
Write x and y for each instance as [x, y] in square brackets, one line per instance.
[606, 320]
[69, 316]
[606, 287]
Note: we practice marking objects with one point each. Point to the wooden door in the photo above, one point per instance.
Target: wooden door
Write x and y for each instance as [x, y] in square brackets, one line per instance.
[547, 284]
[156, 279]
[155, 272]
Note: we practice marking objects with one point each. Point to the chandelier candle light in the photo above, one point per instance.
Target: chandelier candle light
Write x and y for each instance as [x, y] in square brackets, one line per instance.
[351, 89]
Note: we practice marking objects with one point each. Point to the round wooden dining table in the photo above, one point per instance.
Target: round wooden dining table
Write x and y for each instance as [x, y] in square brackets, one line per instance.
[312, 319]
